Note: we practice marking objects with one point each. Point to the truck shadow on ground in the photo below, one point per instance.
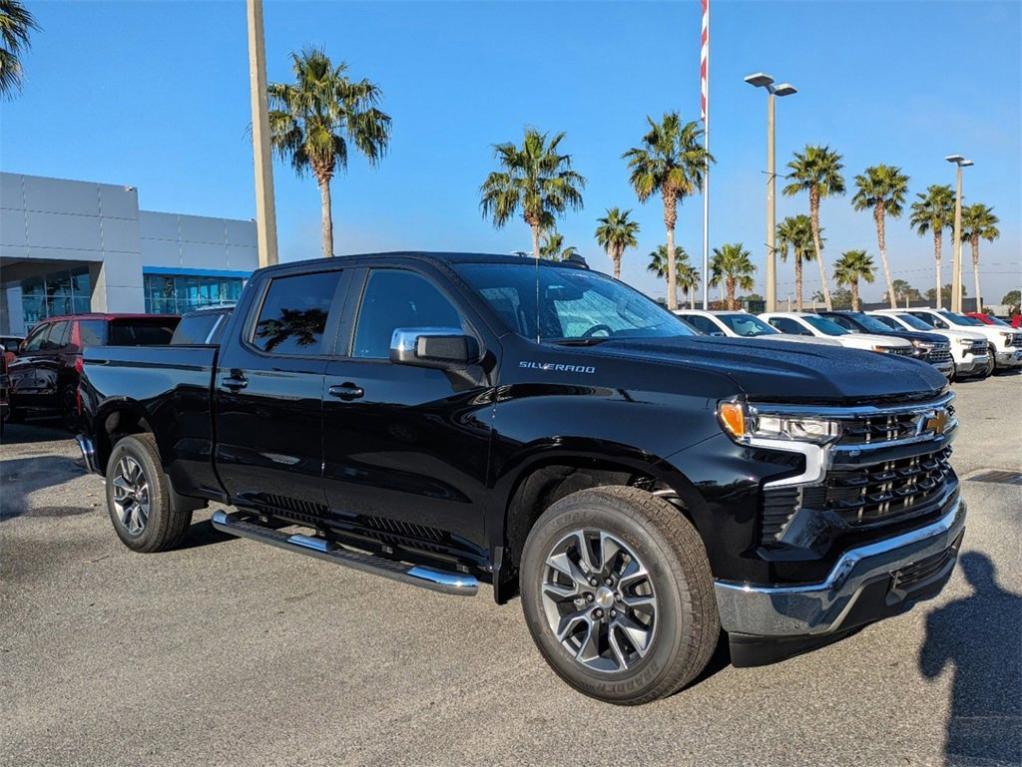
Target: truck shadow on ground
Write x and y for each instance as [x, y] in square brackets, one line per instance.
[20, 477]
[980, 636]
[30, 432]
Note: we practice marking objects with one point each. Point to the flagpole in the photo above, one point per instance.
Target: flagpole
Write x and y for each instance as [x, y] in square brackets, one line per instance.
[704, 77]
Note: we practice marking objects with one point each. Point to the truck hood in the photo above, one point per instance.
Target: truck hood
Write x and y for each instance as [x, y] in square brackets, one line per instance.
[780, 371]
[868, 341]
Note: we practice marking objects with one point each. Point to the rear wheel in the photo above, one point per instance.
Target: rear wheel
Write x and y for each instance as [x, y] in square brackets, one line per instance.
[139, 498]
[618, 595]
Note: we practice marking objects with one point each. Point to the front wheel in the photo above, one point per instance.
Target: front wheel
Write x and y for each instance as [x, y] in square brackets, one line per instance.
[991, 363]
[618, 595]
[138, 497]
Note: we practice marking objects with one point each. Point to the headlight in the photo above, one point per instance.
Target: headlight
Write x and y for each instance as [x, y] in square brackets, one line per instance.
[743, 424]
[921, 348]
[885, 349]
[964, 341]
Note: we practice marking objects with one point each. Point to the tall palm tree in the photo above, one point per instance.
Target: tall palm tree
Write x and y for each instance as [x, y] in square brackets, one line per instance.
[934, 212]
[671, 161]
[616, 233]
[854, 265]
[15, 23]
[536, 180]
[313, 119]
[978, 223]
[882, 189]
[688, 281]
[659, 266]
[795, 233]
[817, 170]
[732, 265]
[552, 247]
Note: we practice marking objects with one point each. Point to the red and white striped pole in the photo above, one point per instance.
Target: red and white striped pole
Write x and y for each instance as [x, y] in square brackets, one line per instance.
[704, 91]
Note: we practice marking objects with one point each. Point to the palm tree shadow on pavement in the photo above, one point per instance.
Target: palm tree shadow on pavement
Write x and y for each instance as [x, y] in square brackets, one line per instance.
[981, 637]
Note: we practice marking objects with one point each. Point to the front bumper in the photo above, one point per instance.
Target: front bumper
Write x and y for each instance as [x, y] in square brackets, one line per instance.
[972, 363]
[1009, 359]
[887, 570]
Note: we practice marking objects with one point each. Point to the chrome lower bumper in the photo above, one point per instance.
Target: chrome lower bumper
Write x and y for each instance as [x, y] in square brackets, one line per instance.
[1009, 358]
[972, 363]
[820, 608]
[88, 453]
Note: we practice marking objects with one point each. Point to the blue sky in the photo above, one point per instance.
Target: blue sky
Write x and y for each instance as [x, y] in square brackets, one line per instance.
[155, 95]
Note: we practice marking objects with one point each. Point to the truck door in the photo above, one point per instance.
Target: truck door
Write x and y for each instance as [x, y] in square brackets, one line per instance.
[269, 393]
[405, 447]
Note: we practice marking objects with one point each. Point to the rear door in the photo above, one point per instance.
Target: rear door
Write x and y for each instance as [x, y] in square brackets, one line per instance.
[406, 448]
[269, 392]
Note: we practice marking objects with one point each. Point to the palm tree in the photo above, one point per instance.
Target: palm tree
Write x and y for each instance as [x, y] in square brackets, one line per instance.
[882, 188]
[796, 233]
[615, 234]
[313, 120]
[658, 263]
[671, 162]
[817, 171]
[731, 263]
[978, 222]
[854, 265]
[552, 247]
[15, 24]
[536, 180]
[688, 281]
[934, 212]
[903, 292]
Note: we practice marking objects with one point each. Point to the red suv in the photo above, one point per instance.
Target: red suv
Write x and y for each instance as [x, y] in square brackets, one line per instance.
[44, 372]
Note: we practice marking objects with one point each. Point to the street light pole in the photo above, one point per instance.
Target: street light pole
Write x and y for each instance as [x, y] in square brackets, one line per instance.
[956, 251]
[266, 214]
[761, 80]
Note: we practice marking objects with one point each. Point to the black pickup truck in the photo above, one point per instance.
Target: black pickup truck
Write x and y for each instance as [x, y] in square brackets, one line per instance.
[445, 419]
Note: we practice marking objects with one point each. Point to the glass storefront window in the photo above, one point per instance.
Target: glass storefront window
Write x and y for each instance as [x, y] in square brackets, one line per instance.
[67, 291]
[180, 293]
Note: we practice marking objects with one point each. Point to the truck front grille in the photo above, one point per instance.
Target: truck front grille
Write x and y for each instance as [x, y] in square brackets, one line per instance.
[978, 347]
[904, 351]
[1015, 339]
[938, 355]
[872, 429]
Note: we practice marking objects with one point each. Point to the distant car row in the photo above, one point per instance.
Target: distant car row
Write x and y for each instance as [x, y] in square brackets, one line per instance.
[957, 345]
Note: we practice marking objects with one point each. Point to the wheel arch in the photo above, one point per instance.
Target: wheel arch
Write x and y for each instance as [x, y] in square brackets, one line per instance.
[114, 420]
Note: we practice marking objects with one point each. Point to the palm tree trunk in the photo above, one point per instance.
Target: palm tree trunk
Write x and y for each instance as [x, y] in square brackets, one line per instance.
[975, 273]
[730, 293]
[535, 240]
[936, 257]
[798, 281]
[878, 214]
[616, 258]
[328, 217]
[670, 219]
[814, 219]
[854, 286]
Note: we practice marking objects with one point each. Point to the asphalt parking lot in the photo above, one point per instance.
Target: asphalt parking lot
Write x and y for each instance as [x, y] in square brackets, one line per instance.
[229, 652]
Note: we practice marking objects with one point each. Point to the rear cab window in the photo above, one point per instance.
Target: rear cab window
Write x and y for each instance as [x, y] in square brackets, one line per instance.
[196, 328]
[141, 331]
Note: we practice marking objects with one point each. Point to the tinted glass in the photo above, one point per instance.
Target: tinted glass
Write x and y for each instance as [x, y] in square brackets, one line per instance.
[961, 319]
[702, 324]
[195, 328]
[92, 332]
[825, 326]
[573, 303]
[294, 314]
[397, 299]
[788, 325]
[996, 321]
[36, 338]
[843, 321]
[888, 322]
[57, 337]
[142, 332]
[927, 319]
[746, 325]
[872, 324]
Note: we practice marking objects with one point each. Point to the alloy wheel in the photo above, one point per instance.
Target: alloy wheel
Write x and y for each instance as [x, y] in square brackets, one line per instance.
[131, 495]
[599, 600]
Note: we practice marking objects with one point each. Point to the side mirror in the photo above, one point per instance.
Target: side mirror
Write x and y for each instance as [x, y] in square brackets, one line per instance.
[433, 347]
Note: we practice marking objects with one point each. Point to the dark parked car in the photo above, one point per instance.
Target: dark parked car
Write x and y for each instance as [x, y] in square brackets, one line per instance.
[444, 419]
[928, 347]
[47, 364]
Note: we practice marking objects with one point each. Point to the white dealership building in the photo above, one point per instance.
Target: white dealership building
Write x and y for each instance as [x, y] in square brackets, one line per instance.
[78, 246]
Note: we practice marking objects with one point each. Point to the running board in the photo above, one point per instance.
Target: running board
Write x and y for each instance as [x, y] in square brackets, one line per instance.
[417, 575]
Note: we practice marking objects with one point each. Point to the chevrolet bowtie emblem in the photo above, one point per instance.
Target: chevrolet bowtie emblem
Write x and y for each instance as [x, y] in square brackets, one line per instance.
[937, 421]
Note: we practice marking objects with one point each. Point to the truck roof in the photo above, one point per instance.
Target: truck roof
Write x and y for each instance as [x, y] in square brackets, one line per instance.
[443, 258]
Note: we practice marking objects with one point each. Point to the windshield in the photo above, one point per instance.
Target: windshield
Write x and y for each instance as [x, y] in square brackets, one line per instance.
[573, 304]
[961, 319]
[872, 324]
[914, 322]
[747, 325]
[997, 321]
[825, 326]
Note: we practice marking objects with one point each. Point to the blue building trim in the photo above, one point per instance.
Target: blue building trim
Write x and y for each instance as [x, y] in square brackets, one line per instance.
[180, 271]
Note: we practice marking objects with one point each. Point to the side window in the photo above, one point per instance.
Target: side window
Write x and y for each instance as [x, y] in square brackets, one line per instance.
[398, 299]
[788, 325]
[931, 321]
[843, 321]
[194, 328]
[293, 316]
[57, 337]
[35, 340]
[893, 325]
[92, 333]
[702, 324]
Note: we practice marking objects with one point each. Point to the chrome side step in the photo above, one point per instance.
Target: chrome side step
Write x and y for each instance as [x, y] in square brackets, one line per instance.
[426, 577]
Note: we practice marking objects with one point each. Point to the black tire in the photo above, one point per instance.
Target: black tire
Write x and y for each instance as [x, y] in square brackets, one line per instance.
[686, 627]
[163, 527]
[991, 363]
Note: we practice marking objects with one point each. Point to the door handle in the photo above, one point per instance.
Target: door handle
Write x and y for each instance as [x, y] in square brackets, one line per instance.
[347, 391]
[235, 381]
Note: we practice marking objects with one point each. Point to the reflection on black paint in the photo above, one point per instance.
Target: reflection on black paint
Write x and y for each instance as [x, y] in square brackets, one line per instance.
[305, 328]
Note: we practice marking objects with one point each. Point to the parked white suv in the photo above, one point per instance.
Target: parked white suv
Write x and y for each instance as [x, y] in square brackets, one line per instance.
[743, 325]
[970, 351]
[809, 324]
[1005, 343]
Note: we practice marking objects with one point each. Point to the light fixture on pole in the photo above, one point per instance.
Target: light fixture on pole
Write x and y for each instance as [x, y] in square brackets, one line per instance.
[956, 251]
[762, 80]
